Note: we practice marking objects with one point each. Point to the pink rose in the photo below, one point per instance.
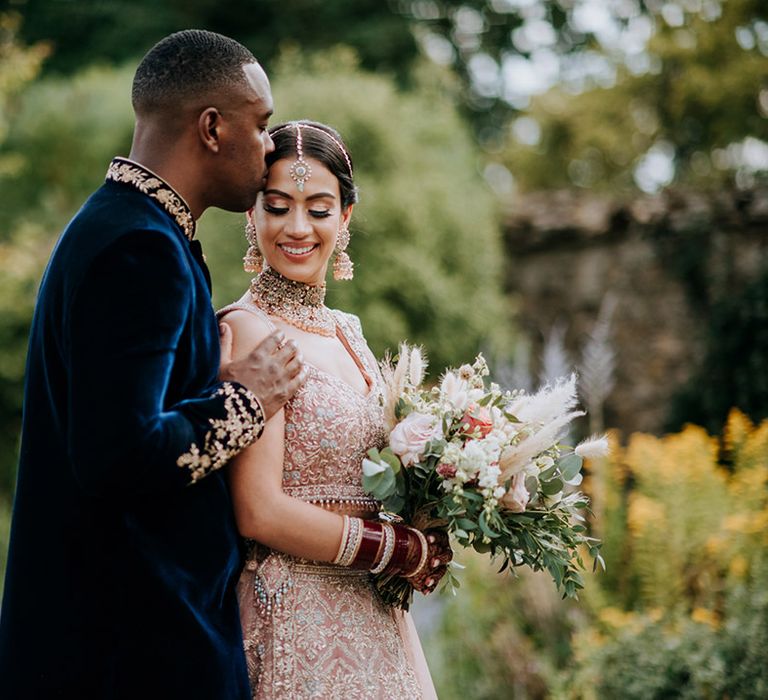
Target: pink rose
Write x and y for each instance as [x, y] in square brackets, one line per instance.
[516, 499]
[477, 421]
[411, 435]
[447, 471]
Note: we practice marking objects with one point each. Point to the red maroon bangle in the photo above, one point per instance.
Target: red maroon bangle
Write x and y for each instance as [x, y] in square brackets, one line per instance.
[370, 546]
[407, 551]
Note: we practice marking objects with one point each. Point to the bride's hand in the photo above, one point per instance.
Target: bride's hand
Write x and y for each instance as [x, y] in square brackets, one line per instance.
[439, 555]
[273, 370]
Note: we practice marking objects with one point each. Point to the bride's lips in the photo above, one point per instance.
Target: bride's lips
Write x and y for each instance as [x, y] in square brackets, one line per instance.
[297, 252]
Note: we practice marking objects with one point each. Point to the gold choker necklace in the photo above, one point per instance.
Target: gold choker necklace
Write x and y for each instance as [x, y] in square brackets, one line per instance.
[294, 302]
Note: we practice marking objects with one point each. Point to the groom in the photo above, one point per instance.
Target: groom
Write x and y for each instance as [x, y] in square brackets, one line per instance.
[124, 552]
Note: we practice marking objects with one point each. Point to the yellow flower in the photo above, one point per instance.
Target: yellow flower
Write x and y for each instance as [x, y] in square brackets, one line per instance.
[644, 512]
[613, 617]
[738, 566]
[705, 617]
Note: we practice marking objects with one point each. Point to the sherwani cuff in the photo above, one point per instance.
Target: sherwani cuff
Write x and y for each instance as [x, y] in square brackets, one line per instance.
[240, 423]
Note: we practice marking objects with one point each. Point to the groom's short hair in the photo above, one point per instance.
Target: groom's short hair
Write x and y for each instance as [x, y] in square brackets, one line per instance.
[187, 65]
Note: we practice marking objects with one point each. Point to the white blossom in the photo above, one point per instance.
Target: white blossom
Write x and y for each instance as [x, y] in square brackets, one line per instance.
[455, 392]
[416, 367]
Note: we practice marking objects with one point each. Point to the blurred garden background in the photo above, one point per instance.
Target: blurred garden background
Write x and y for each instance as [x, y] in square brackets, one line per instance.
[562, 184]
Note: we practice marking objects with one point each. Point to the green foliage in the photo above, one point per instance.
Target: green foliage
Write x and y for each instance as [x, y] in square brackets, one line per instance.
[661, 660]
[501, 636]
[93, 31]
[61, 139]
[5, 537]
[682, 658]
[19, 65]
[703, 93]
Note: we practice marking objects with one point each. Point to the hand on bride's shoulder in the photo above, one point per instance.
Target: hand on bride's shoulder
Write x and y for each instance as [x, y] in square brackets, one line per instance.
[255, 355]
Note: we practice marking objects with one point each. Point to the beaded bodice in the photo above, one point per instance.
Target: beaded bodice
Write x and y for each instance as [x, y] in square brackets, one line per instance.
[329, 427]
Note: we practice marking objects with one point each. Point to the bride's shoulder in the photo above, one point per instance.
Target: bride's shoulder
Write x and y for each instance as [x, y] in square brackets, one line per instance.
[249, 324]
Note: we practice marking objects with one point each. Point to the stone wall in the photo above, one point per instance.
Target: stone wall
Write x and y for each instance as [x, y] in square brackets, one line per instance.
[663, 260]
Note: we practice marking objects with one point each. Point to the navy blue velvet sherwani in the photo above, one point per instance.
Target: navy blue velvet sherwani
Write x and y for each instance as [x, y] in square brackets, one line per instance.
[124, 551]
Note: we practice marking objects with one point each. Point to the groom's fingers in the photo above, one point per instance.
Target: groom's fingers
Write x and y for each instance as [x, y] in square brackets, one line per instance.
[273, 371]
[271, 344]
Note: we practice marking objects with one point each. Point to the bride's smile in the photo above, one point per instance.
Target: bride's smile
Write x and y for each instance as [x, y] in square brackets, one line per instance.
[296, 252]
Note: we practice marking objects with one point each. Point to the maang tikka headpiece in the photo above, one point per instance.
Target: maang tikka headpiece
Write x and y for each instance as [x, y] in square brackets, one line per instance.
[300, 170]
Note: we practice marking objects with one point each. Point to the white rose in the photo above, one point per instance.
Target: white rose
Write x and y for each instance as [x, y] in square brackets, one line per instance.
[411, 435]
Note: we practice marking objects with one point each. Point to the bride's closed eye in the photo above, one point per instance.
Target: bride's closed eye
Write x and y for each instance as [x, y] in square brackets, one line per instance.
[279, 211]
[272, 209]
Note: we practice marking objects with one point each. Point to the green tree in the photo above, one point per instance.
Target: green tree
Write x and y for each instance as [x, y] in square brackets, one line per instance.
[93, 31]
[19, 65]
[704, 93]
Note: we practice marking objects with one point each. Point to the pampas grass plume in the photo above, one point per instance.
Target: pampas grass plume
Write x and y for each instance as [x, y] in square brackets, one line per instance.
[593, 447]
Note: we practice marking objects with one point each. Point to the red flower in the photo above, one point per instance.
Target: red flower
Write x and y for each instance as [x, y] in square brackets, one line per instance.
[476, 421]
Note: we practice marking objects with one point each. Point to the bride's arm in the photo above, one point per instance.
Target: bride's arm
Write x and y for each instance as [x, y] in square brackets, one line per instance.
[262, 510]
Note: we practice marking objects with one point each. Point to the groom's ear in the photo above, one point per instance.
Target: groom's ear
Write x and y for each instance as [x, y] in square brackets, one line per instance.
[208, 124]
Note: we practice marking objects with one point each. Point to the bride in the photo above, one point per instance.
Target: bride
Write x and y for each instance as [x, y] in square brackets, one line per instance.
[312, 622]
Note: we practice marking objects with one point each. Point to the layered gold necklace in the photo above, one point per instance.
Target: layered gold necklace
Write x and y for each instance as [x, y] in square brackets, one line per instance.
[301, 305]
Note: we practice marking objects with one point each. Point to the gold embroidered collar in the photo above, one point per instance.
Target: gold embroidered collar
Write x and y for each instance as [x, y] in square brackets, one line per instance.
[301, 305]
[136, 175]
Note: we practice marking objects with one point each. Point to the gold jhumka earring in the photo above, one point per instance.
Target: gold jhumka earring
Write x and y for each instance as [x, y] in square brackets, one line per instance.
[253, 260]
[343, 269]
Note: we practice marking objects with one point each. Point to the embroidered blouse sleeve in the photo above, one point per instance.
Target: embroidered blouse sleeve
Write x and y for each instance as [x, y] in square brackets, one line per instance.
[126, 322]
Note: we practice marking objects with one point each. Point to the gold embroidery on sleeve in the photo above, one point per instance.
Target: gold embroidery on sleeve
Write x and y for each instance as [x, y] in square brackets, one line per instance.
[242, 425]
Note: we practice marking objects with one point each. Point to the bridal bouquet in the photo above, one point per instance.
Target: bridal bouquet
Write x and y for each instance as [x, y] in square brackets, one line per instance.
[486, 466]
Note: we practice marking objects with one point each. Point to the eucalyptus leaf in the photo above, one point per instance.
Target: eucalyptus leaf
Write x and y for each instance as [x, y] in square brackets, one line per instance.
[552, 487]
[381, 485]
[371, 468]
[487, 531]
[391, 459]
[548, 473]
[570, 465]
[481, 547]
[394, 504]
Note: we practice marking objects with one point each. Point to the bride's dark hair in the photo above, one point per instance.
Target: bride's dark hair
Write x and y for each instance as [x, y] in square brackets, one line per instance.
[321, 142]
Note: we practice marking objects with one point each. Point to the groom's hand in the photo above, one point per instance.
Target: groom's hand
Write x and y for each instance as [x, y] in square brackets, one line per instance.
[273, 370]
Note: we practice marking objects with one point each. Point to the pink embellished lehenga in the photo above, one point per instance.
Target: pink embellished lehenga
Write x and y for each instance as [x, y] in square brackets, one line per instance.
[315, 630]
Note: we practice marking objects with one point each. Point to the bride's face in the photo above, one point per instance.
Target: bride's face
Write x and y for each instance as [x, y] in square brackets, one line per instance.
[297, 230]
